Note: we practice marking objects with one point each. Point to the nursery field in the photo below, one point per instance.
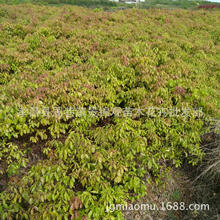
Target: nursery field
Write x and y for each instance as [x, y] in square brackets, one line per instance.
[96, 106]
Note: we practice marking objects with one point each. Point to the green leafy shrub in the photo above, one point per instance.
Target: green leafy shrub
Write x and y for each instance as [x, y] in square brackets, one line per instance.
[73, 166]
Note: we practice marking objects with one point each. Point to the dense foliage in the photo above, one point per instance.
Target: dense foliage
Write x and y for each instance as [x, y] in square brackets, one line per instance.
[86, 3]
[185, 4]
[209, 6]
[62, 167]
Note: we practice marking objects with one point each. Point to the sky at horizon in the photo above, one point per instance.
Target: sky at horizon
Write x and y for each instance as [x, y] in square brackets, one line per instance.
[213, 1]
